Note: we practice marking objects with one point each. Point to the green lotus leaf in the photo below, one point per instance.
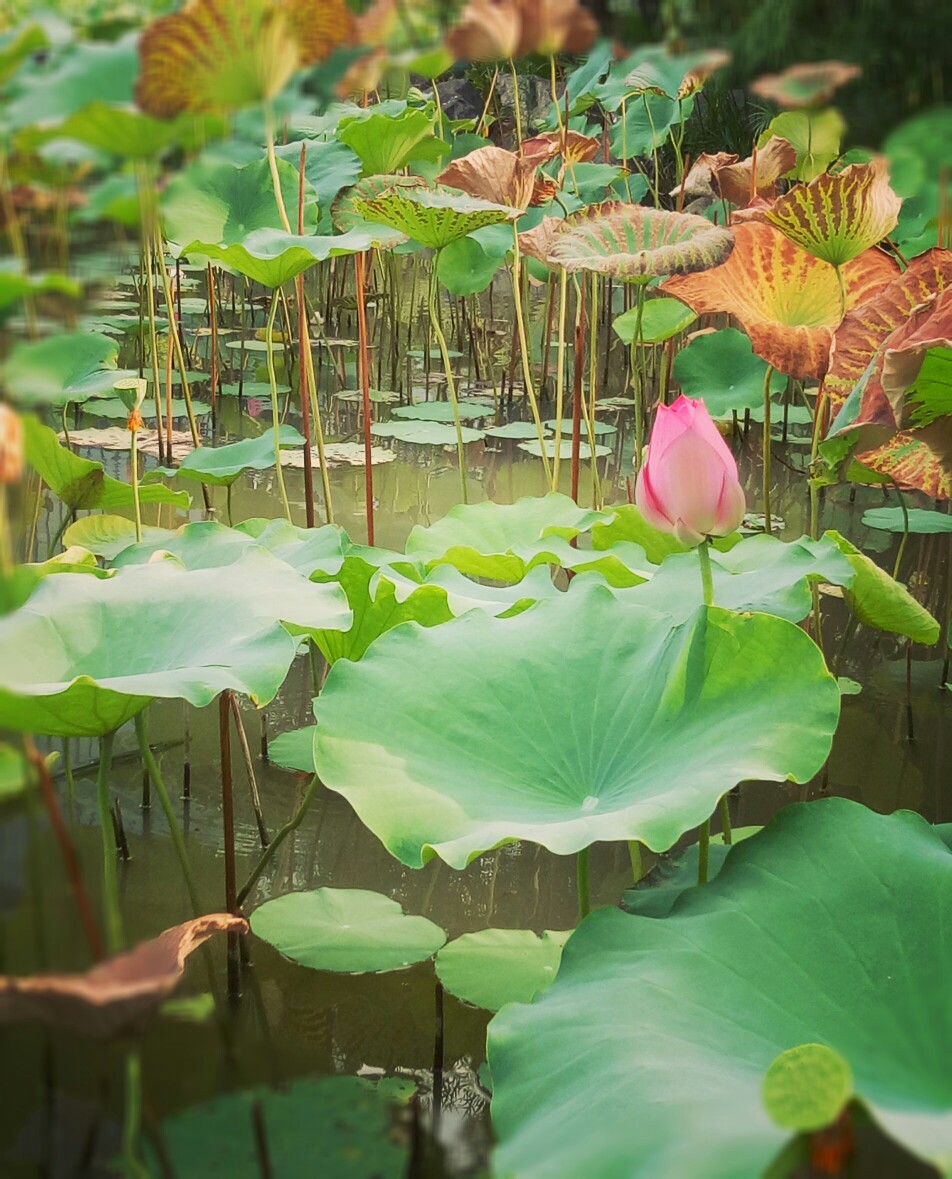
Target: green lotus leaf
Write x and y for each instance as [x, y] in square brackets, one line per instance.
[17, 44]
[107, 535]
[252, 389]
[294, 750]
[348, 930]
[386, 143]
[272, 257]
[631, 241]
[831, 926]
[521, 431]
[694, 709]
[14, 284]
[469, 264]
[344, 210]
[723, 370]
[930, 395]
[81, 483]
[329, 168]
[815, 135]
[114, 198]
[346, 1122]
[424, 433]
[564, 448]
[120, 130]
[220, 466]
[462, 594]
[305, 549]
[626, 523]
[648, 121]
[601, 429]
[432, 217]
[919, 521]
[67, 367]
[661, 320]
[113, 408]
[500, 541]
[15, 774]
[882, 603]
[498, 966]
[442, 411]
[219, 203]
[18, 584]
[78, 661]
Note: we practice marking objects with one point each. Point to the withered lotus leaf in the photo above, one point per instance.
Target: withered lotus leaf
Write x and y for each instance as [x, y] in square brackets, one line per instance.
[806, 84]
[837, 217]
[493, 174]
[489, 30]
[739, 182]
[631, 241]
[918, 460]
[864, 329]
[538, 242]
[699, 179]
[786, 300]
[574, 147]
[219, 55]
[119, 995]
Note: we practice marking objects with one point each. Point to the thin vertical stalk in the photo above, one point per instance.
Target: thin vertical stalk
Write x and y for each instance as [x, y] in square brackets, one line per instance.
[583, 884]
[213, 326]
[110, 893]
[316, 421]
[250, 771]
[450, 379]
[768, 522]
[304, 342]
[704, 852]
[228, 831]
[165, 454]
[134, 471]
[517, 104]
[273, 166]
[707, 577]
[275, 414]
[560, 376]
[364, 364]
[577, 392]
[524, 352]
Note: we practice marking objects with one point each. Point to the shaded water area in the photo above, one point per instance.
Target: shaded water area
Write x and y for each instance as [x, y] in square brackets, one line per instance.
[892, 751]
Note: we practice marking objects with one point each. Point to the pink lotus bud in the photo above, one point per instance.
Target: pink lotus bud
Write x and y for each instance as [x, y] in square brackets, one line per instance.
[688, 484]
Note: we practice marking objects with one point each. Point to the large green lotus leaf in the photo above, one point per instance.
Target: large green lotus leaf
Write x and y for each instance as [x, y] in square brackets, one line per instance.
[814, 135]
[14, 284]
[882, 603]
[639, 131]
[376, 608]
[19, 43]
[468, 265]
[113, 198]
[626, 524]
[462, 594]
[304, 549]
[349, 930]
[219, 203]
[294, 750]
[67, 367]
[346, 1122]
[498, 966]
[272, 257]
[82, 483]
[761, 573]
[661, 319]
[723, 370]
[386, 143]
[630, 241]
[116, 410]
[107, 536]
[587, 719]
[17, 585]
[220, 466]
[832, 926]
[919, 521]
[124, 131]
[77, 662]
[501, 541]
[432, 217]
[344, 211]
[329, 168]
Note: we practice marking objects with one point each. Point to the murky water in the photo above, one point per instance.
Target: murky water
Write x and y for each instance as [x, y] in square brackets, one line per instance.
[60, 1118]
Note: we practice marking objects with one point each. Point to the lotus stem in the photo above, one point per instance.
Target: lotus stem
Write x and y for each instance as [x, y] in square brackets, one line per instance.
[153, 334]
[637, 860]
[134, 465]
[524, 352]
[638, 377]
[517, 104]
[268, 854]
[707, 576]
[178, 840]
[577, 395]
[132, 1118]
[450, 380]
[273, 166]
[597, 498]
[110, 893]
[250, 771]
[656, 187]
[275, 414]
[361, 282]
[704, 852]
[489, 98]
[584, 884]
[318, 425]
[303, 342]
[905, 533]
[560, 376]
[768, 522]
[727, 832]
[228, 833]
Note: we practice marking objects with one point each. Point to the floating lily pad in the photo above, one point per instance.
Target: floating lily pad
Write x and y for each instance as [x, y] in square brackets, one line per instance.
[348, 930]
[424, 433]
[220, 466]
[517, 430]
[377, 396]
[115, 410]
[602, 429]
[916, 520]
[661, 319]
[442, 411]
[260, 389]
[565, 449]
[753, 700]
[339, 454]
[498, 966]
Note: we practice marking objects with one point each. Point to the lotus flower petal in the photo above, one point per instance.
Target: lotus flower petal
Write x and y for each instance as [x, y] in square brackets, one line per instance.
[630, 241]
[787, 301]
[119, 995]
[837, 217]
[806, 84]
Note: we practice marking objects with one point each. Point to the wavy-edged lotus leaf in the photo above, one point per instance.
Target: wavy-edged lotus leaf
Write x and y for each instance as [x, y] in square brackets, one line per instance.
[347, 930]
[910, 459]
[496, 175]
[810, 83]
[432, 217]
[120, 995]
[217, 202]
[346, 1122]
[500, 541]
[18, 584]
[272, 257]
[220, 55]
[882, 603]
[836, 218]
[78, 662]
[328, 168]
[638, 744]
[807, 1087]
[564, 449]
[424, 433]
[918, 521]
[386, 143]
[830, 926]
[107, 535]
[624, 523]
[661, 319]
[220, 466]
[655, 69]
[67, 367]
[722, 369]
[498, 966]
[630, 241]
[787, 301]
[344, 210]
[81, 483]
[463, 594]
[120, 130]
[814, 135]
[442, 411]
[294, 750]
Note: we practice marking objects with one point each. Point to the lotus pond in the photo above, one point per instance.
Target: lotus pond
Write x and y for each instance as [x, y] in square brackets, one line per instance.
[475, 585]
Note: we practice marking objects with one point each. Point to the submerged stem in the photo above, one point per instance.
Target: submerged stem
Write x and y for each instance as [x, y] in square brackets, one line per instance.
[450, 380]
[524, 352]
[267, 855]
[704, 852]
[275, 415]
[110, 877]
[584, 885]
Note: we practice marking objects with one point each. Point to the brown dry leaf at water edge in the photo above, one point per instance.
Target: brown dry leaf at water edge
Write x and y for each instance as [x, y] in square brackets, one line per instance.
[119, 995]
[805, 84]
[117, 438]
[219, 55]
[787, 301]
[495, 175]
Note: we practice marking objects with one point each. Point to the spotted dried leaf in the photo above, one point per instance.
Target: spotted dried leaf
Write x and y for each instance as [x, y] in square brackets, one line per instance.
[117, 996]
[787, 301]
[576, 148]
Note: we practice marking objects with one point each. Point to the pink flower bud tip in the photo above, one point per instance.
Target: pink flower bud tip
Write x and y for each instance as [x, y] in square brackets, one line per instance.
[688, 485]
